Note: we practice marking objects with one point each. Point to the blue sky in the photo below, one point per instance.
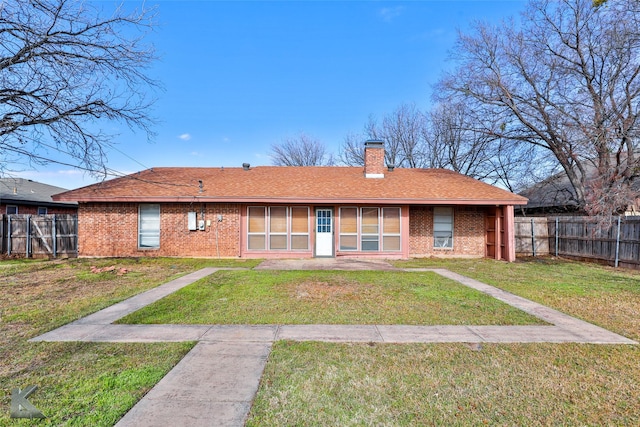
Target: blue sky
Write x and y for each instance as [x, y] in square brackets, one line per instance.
[240, 76]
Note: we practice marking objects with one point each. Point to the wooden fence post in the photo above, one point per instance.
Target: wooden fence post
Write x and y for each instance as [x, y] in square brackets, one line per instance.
[54, 236]
[28, 243]
[618, 242]
[533, 239]
[557, 235]
[8, 234]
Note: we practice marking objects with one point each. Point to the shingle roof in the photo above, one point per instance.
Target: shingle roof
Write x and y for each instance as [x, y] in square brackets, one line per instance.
[26, 191]
[554, 192]
[276, 184]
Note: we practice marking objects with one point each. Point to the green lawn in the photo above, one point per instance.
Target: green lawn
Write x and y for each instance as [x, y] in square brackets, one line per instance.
[80, 384]
[601, 295]
[94, 384]
[329, 297]
[325, 384]
[457, 385]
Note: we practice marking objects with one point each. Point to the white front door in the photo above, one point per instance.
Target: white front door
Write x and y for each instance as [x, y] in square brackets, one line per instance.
[324, 232]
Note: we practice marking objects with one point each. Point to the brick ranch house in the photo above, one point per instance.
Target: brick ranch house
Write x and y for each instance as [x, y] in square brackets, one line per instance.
[296, 212]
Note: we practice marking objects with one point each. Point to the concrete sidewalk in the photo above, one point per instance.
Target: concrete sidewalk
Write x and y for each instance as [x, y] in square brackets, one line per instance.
[216, 381]
[214, 385]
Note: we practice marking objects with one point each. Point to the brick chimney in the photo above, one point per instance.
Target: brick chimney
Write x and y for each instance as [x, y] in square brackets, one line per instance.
[374, 159]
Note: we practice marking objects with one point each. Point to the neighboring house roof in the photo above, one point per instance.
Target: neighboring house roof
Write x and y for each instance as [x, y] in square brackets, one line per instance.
[27, 192]
[309, 184]
[554, 193]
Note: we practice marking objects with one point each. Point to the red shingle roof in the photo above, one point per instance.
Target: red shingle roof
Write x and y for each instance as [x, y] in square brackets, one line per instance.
[275, 184]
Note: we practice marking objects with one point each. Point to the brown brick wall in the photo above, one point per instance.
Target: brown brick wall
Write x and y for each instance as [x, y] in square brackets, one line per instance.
[374, 160]
[468, 232]
[111, 229]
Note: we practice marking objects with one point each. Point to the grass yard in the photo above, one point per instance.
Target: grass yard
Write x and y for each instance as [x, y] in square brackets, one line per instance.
[601, 295]
[329, 297]
[80, 384]
[94, 384]
[456, 385]
[326, 384]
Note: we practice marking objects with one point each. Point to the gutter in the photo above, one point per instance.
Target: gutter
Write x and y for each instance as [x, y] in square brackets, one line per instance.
[308, 200]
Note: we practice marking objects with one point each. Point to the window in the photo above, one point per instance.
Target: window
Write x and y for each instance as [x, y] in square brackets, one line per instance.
[42, 210]
[364, 229]
[257, 228]
[369, 229]
[300, 229]
[323, 221]
[390, 229]
[278, 228]
[348, 229]
[443, 227]
[12, 210]
[149, 226]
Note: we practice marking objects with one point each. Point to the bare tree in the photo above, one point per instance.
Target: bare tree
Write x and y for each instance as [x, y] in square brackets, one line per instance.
[301, 150]
[403, 133]
[455, 143]
[64, 68]
[403, 129]
[352, 150]
[567, 79]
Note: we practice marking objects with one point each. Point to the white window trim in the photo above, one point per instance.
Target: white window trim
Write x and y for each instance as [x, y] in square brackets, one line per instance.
[42, 207]
[11, 206]
[141, 233]
[450, 246]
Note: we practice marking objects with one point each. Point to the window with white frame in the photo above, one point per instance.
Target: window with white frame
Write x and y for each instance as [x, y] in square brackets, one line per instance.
[12, 210]
[443, 227]
[149, 226]
[278, 228]
[42, 210]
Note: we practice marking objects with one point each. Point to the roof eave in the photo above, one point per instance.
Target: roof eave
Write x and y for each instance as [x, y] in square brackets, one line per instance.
[305, 200]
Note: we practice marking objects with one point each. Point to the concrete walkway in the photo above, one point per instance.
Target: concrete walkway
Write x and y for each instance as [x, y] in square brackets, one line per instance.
[214, 384]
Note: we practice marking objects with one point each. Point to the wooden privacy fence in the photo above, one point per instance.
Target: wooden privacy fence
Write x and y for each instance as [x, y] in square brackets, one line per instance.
[39, 235]
[581, 237]
[532, 236]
